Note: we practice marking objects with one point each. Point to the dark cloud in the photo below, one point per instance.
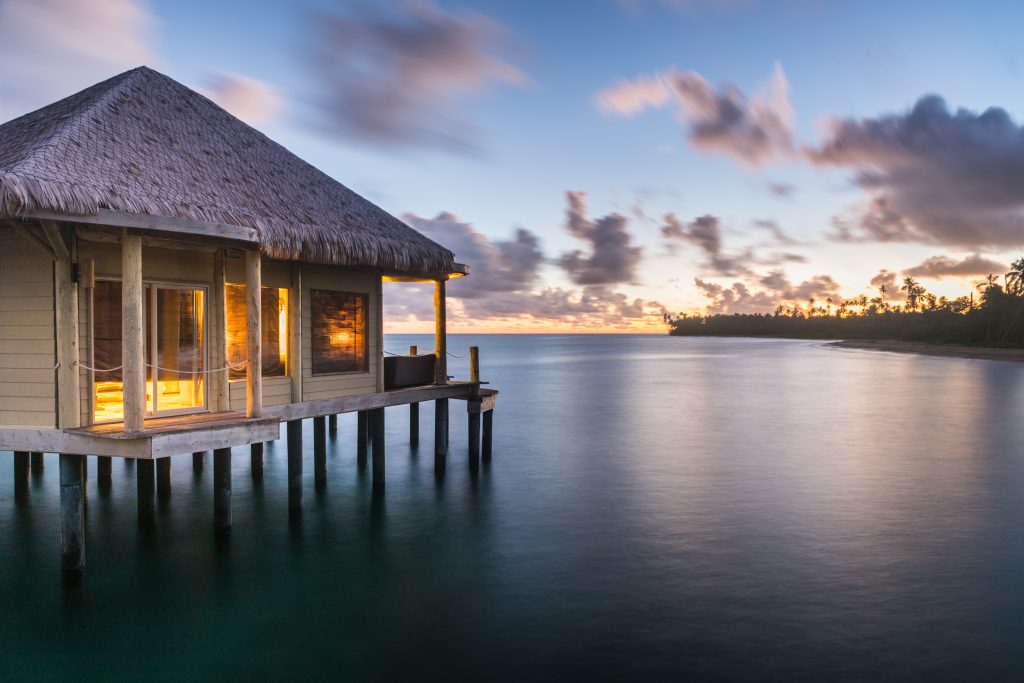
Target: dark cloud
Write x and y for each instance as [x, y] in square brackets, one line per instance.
[756, 129]
[938, 267]
[776, 231]
[394, 76]
[705, 232]
[932, 176]
[496, 266]
[611, 258]
[784, 190]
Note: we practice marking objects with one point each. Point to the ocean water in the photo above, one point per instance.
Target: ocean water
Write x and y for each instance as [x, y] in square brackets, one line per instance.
[656, 508]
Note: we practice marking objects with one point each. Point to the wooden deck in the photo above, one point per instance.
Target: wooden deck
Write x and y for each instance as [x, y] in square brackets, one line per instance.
[177, 423]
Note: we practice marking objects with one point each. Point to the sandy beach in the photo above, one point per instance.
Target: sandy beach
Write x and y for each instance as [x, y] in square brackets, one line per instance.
[948, 350]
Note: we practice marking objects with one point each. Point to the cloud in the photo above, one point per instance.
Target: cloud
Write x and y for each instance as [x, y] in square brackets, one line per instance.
[776, 290]
[705, 232]
[498, 266]
[394, 77]
[776, 231]
[931, 176]
[783, 190]
[251, 100]
[886, 278]
[611, 259]
[52, 48]
[938, 267]
[756, 130]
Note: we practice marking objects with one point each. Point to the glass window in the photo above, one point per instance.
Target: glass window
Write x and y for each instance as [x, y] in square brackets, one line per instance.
[338, 325]
[274, 321]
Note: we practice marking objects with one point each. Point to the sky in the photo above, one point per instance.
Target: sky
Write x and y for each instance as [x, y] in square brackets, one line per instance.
[599, 163]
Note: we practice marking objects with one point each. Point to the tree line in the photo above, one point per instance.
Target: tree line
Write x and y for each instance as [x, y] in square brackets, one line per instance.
[992, 315]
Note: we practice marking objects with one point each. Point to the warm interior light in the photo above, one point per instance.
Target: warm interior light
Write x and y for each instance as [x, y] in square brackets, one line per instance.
[282, 326]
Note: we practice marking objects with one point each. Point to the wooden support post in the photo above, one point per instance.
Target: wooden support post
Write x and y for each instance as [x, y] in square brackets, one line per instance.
[21, 468]
[378, 447]
[197, 461]
[414, 413]
[72, 515]
[104, 472]
[37, 463]
[332, 424]
[294, 465]
[163, 478]
[440, 434]
[320, 451]
[488, 425]
[132, 337]
[362, 436]
[65, 296]
[295, 332]
[256, 461]
[474, 437]
[253, 330]
[144, 488]
[440, 334]
[220, 398]
[474, 365]
[222, 490]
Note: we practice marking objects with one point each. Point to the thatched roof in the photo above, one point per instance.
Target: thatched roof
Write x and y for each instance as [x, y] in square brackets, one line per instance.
[143, 143]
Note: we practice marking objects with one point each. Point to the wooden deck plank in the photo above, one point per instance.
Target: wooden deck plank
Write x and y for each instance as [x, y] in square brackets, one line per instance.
[173, 424]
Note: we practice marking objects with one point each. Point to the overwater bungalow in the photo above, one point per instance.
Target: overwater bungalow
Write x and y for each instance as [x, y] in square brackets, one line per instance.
[172, 282]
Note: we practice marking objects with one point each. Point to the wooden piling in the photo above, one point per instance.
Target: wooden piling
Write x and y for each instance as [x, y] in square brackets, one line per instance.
[72, 515]
[21, 469]
[163, 478]
[440, 434]
[474, 437]
[487, 439]
[104, 472]
[414, 412]
[320, 451]
[332, 424]
[378, 447]
[362, 436]
[256, 461]
[294, 431]
[144, 488]
[197, 461]
[222, 490]
[37, 463]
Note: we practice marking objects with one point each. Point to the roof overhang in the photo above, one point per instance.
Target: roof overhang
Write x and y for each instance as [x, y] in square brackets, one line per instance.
[459, 270]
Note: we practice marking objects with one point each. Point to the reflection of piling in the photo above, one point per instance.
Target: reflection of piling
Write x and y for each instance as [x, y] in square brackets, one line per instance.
[488, 419]
[256, 461]
[163, 478]
[72, 515]
[144, 489]
[414, 413]
[320, 451]
[294, 431]
[222, 491]
[20, 475]
[378, 447]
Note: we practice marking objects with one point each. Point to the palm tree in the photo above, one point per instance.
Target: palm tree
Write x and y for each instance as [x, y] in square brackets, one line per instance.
[810, 306]
[913, 290]
[882, 291]
[1015, 278]
[989, 281]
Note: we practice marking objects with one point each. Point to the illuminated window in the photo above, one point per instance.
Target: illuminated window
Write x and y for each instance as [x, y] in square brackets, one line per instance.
[338, 322]
[274, 342]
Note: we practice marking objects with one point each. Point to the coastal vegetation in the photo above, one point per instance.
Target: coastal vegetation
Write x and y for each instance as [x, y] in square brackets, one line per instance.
[993, 315]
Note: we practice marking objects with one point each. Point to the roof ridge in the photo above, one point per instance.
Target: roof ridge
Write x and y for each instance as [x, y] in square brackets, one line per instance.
[114, 85]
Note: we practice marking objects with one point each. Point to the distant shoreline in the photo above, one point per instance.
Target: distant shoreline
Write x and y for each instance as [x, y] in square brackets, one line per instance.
[925, 349]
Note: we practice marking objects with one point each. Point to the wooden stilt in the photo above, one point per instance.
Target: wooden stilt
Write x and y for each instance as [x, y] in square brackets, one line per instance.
[320, 451]
[197, 461]
[362, 436]
[163, 478]
[144, 488]
[414, 412]
[294, 465]
[332, 424]
[440, 434]
[72, 515]
[104, 472]
[488, 427]
[256, 461]
[132, 333]
[222, 490]
[37, 463]
[378, 447]
[21, 469]
[253, 331]
[474, 438]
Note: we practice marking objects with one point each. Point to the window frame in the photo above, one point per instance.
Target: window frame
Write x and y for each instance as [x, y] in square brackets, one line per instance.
[365, 369]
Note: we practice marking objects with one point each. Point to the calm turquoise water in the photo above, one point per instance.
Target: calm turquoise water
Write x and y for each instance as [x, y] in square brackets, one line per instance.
[656, 507]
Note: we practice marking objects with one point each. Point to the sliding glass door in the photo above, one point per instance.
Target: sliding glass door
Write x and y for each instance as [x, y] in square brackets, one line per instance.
[175, 350]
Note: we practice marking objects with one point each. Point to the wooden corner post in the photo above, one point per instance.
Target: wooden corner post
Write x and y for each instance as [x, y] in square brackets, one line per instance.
[253, 328]
[440, 334]
[133, 339]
